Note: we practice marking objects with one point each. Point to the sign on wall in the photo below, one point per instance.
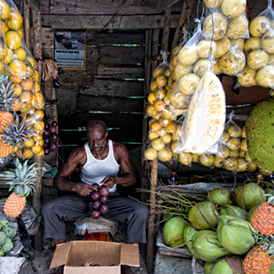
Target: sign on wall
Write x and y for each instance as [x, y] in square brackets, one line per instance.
[70, 49]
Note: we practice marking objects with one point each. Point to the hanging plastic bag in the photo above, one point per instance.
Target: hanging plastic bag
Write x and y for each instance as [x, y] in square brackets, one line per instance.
[260, 49]
[204, 123]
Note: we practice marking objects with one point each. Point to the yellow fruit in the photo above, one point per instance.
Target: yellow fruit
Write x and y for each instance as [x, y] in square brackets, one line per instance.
[36, 148]
[18, 68]
[259, 25]
[153, 135]
[160, 93]
[26, 85]
[159, 105]
[27, 153]
[171, 127]
[20, 32]
[243, 132]
[31, 60]
[3, 51]
[8, 58]
[158, 144]
[234, 153]
[164, 122]
[155, 126]
[243, 145]
[13, 40]
[41, 153]
[28, 143]
[15, 19]
[38, 115]
[242, 165]
[158, 71]
[150, 153]
[15, 79]
[165, 154]
[233, 8]
[206, 159]
[233, 143]
[37, 138]
[188, 55]
[185, 158]
[251, 167]
[20, 54]
[17, 90]
[26, 97]
[234, 131]
[161, 80]
[230, 163]
[225, 137]
[166, 138]
[225, 152]
[4, 9]
[2, 28]
[218, 161]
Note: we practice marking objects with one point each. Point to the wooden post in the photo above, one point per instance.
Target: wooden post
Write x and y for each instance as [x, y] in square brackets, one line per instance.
[186, 10]
[37, 35]
[166, 29]
[151, 222]
[27, 23]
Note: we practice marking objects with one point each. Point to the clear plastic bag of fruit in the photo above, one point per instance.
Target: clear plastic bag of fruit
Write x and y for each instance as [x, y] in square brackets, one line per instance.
[260, 49]
[205, 119]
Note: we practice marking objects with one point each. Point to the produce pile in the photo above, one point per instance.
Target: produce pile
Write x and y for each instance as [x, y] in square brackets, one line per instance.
[232, 231]
[21, 99]
[7, 233]
[187, 101]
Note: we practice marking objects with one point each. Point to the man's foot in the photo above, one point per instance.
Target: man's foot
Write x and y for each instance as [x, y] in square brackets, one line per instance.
[126, 269]
[56, 242]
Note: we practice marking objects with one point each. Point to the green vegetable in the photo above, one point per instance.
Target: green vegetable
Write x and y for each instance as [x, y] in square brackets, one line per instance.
[3, 238]
[7, 246]
[9, 231]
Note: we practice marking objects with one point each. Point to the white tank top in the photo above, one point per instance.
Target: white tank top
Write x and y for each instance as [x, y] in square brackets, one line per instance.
[94, 170]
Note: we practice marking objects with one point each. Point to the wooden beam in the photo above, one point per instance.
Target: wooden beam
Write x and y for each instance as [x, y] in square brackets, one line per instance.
[27, 23]
[99, 22]
[164, 4]
[186, 10]
[151, 222]
[166, 30]
[37, 35]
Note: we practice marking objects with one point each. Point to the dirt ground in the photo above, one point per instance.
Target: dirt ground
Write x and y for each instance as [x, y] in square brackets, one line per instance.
[39, 261]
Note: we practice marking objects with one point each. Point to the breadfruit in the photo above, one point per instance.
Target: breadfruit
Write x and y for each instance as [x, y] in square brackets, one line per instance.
[9, 231]
[260, 134]
[3, 238]
[7, 246]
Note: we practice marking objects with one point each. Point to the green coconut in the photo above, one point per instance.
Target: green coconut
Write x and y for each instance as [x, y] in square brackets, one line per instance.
[235, 211]
[234, 194]
[173, 231]
[203, 215]
[207, 246]
[208, 267]
[188, 235]
[271, 271]
[219, 196]
[269, 191]
[235, 235]
[230, 265]
[250, 195]
[250, 212]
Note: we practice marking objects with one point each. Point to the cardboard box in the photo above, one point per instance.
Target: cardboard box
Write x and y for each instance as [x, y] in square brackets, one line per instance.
[110, 256]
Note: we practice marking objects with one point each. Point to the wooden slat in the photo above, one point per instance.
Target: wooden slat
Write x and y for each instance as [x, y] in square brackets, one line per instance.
[116, 37]
[105, 7]
[37, 35]
[120, 72]
[78, 78]
[114, 88]
[75, 120]
[116, 56]
[119, 135]
[86, 103]
[99, 22]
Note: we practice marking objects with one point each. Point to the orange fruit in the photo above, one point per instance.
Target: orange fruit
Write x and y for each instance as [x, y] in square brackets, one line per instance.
[17, 90]
[36, 148]
[36, 86]
[39, 97]
[153, 85]
[159, 105]
[13, 39]
[25, 107]
[31, 60]
[30, 72]
[160, 93]
[164, 122]
[161, 80]
[38, 114]
[166, 113]
[31, 109]
[151, 98]
[20, 32]
[20, 54]
[151, 111]
[171, 127]
[41, 153]
[39, 106]
[18, 68]
[158, 143]
[2, 27]
[28, 143]
[155, 126]
[16, 105]
[37, 138]
[3, 51]
[26, 97]
[167, 73]
[158, 71]
[165, 154]
[26, 84]
[15, 19]
[173, 86]
[5, 9]
[174, 61]
[27, 153]
[171, 67]
[41, 142]
[15, 79]
[40, 125]
[150, 153]
[36, 75]
[8, 58]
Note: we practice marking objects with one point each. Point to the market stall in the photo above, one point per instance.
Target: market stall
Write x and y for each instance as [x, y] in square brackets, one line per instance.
[185, 85]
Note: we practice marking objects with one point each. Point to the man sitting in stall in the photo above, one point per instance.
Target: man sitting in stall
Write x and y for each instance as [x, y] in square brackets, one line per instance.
[104, 162]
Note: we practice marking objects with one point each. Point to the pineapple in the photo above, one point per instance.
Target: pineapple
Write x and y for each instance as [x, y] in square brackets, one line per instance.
[262, 218]
[259, 259]
[7, 100]
[21, 181]
[14, 136]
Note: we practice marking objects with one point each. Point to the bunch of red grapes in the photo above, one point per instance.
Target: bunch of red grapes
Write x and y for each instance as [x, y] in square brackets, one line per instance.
[99, 204]
[50, 137]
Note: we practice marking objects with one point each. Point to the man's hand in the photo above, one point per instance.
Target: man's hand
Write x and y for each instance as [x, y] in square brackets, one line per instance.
[108, 181]
[83, 189]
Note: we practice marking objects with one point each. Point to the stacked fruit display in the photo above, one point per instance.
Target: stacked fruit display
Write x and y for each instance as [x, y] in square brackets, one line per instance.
[7, 233]
[50, 137]
[230, 231]
[99, 204]
[20, 93]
